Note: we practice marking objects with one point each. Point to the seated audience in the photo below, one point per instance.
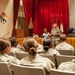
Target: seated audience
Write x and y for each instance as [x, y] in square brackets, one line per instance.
[5, 47]
[33, 59]
[14, 44]
[63, 45]
[40, 47]
[45, 34]
[48, 48]
[67, 66]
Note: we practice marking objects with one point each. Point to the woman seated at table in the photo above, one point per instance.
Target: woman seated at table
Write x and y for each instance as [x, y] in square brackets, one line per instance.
[46, 34]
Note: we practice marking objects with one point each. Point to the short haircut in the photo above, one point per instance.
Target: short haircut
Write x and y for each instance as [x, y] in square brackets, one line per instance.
[13, 41]
[63, 37]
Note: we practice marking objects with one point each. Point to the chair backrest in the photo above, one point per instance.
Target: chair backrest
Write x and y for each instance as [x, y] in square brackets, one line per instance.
[51, 57]
[57, 72]
[12, 54]
[66, 52]
[5, 69]
[20, 55]
[27, 70]
[64, 58]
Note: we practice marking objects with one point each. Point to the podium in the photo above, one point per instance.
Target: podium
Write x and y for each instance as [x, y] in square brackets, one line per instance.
[19, 33]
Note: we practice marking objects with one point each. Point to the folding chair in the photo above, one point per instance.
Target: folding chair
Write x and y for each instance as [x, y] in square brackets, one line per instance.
[20, 55]
[27, 70]
[66, 52]
[58, 72]
[5, 69]
[63, 58]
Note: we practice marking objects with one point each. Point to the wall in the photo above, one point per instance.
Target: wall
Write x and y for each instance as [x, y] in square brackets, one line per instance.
[7, 7]
[72, 13]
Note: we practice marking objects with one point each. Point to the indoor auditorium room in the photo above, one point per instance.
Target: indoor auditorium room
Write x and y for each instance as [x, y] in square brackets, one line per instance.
[37, 37]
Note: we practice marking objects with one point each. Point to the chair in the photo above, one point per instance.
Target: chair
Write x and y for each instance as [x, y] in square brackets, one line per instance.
[58, 72]
[66, 52]
[27, 70]
[5, 69]
[12, 54]
[63, 58]
[51, 57]
[20, 55]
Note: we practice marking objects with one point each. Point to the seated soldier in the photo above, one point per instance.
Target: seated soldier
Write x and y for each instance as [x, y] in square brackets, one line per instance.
[33, 59]
[5, 47]
[67, 66]
[14, 44]
[48, 48]
[63, 45]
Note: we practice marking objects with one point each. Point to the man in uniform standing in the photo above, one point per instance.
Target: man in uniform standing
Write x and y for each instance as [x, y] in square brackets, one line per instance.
[55, 33]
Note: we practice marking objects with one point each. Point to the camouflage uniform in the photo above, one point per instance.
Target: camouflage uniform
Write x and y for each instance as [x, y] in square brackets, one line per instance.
[55, 38]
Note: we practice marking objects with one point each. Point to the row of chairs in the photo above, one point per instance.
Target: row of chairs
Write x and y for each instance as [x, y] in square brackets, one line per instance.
[26, 70]
[56, 59]
[59, 59]
[20, 70]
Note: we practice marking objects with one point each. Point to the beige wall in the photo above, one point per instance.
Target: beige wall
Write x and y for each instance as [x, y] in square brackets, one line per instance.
[7, 7]
[72, 13]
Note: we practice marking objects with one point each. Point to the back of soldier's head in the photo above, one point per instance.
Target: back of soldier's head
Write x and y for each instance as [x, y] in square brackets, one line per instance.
[36, 37]
[46, 44]
[62, 37]
[13, 41]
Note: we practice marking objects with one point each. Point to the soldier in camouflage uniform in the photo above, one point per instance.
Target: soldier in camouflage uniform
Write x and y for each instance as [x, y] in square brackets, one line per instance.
[55, 33]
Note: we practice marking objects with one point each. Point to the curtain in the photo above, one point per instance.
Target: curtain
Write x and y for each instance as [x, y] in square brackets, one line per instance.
[16, 4]
[28, 9]
[46, 12]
